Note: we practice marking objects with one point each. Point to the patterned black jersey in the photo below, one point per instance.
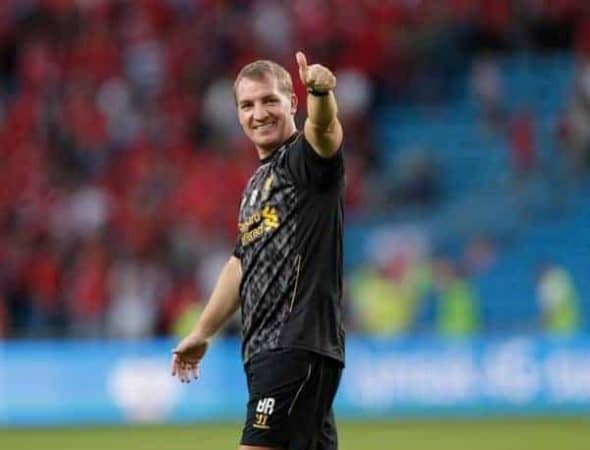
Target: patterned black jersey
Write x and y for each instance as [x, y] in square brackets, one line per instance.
[290, 248]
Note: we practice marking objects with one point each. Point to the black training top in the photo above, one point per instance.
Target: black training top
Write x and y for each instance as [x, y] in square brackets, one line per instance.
[290, 247]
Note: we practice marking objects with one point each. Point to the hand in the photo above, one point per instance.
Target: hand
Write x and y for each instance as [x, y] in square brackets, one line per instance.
[186, 357]
[315, 77]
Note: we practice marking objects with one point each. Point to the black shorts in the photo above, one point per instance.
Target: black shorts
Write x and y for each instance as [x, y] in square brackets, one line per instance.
[290, 405]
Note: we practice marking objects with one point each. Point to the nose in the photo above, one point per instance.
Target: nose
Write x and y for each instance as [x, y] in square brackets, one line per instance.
[260, 112]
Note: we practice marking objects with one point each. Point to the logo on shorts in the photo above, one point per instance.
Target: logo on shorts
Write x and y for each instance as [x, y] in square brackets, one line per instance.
[264, 409]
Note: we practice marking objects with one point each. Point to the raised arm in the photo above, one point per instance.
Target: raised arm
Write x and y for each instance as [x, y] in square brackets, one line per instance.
[322, 128]
[222, 304]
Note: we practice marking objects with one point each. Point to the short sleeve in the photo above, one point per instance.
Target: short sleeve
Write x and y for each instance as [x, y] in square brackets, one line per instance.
[237, 251]
[310, 169]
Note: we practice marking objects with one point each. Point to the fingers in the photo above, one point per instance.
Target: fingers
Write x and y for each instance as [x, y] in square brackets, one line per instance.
[316, 76]
[303, 68]
[188, 372]
[322, 79]
[173, 364]
[185, 371]
[301, 61]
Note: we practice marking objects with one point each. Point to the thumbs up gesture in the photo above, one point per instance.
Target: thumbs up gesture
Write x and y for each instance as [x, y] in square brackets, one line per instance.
[318, 80]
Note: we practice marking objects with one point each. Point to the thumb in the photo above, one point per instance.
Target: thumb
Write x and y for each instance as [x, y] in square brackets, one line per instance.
[302, 63]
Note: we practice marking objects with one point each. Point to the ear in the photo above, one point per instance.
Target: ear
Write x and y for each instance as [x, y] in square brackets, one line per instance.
[294, 102]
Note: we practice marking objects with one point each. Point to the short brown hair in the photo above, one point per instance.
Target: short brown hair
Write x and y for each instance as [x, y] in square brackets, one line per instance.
[262, 68]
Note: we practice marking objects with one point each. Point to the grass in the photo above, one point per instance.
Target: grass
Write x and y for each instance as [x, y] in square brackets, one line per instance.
[497, 434]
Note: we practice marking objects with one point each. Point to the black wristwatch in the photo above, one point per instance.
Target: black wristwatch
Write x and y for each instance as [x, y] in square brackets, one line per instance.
[315, 93]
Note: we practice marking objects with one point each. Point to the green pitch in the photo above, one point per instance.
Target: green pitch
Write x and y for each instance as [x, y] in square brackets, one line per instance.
[508, 434]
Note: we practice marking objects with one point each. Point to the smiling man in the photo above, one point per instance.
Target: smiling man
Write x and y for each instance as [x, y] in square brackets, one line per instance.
[286, 268]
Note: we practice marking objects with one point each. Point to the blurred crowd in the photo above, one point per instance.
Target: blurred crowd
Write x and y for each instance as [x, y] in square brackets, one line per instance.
[405, 288]
[121, 161]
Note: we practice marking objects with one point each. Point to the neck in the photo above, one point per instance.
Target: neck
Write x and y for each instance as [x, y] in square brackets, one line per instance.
[266, 152]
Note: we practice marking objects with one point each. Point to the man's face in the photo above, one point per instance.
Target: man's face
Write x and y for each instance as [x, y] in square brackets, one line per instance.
[265, 113]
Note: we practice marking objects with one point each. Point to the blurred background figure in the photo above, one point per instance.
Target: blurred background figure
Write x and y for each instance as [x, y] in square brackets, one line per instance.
[558, 301]
[387, 292]
[576, 123]
[486, 80]
[457, 305]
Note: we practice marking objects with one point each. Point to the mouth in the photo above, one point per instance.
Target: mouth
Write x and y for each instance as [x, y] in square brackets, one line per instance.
[264, 126]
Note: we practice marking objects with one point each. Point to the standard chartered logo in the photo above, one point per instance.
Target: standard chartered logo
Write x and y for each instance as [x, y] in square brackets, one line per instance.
[262, 221]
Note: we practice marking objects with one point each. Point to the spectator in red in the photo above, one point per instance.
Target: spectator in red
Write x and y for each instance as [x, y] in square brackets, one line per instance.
[522, 142]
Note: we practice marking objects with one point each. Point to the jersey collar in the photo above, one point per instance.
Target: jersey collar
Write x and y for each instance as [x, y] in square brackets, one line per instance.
[288, 142]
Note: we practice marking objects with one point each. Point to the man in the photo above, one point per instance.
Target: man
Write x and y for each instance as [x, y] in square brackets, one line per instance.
[558, 300]
[286, 268]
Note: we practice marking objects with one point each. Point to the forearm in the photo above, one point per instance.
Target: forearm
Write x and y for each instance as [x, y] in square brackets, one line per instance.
[322, 111]
[223, 302]
[322, 127]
